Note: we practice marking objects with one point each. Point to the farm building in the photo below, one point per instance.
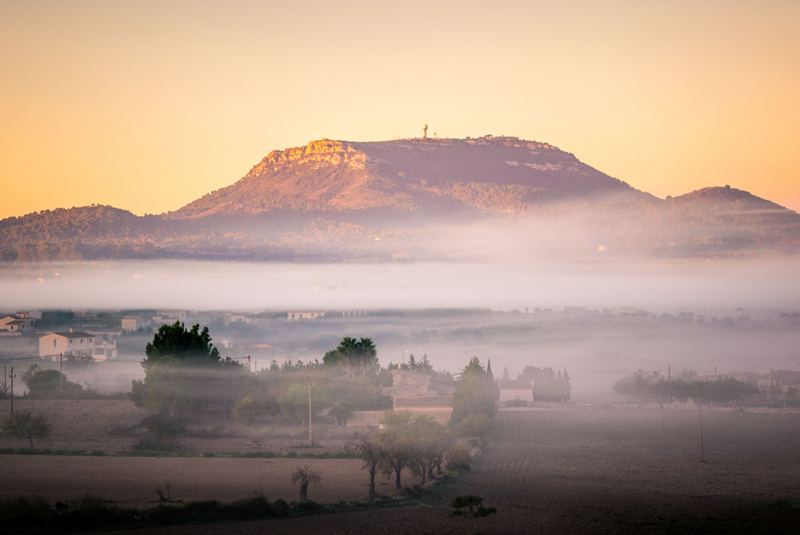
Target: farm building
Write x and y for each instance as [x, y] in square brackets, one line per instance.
[18, 323]
[71, 343]
[411, 391]
[131, 323]
[515, 390]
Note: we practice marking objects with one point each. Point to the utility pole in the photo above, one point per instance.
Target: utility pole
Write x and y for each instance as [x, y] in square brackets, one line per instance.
[249, 364]
[61, 374]
[310, 436]
[12, 390]
[700, 422]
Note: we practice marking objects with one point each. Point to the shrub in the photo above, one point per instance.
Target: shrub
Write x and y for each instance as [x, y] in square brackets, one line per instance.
[163, 426]
[154, 444]
[49, 384]
[459, 458]
[475, 425]
[19, 511]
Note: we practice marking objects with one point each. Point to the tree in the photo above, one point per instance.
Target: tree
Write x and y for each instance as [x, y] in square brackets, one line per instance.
[184, 372]
[348, 394]
[368, 448]
[430, 441]
[475, 393]
[294, 402]
[397, 448]
[304, 477]
[549, 385]
[49, 383]
[644, 386]
[353, 354]
[471, 507]
[27, 425]
[177, 342]
[477, 425]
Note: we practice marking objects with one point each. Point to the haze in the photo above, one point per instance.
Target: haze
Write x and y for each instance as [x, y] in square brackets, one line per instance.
[663, 285]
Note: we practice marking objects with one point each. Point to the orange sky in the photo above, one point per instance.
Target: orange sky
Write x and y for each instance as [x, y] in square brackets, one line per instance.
[147, 105]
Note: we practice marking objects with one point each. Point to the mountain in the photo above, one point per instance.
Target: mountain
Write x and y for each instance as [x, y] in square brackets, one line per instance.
[415, 175]
[415, 199]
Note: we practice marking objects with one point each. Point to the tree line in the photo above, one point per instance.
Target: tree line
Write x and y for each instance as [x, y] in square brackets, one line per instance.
[653, 386]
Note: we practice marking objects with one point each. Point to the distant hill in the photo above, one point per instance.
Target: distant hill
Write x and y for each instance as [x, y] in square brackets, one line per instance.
[414, 199]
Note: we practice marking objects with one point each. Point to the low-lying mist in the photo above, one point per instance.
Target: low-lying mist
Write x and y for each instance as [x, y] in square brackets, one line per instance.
[652, 284]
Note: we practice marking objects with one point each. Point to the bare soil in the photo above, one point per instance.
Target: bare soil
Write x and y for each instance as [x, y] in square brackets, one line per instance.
[604, 471]
[114, 426]
[132, 481]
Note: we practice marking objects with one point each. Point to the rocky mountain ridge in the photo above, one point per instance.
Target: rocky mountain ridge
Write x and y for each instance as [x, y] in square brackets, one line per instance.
[414, 199]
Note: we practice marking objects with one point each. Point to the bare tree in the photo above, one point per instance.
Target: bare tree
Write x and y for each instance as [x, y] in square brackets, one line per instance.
[304, 476]
[368, 447]
[28, 425]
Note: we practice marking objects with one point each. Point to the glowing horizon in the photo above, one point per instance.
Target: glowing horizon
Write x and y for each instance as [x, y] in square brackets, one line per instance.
[148, 107]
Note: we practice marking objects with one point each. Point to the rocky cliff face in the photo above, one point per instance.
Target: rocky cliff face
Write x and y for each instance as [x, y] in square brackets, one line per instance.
[415, 175]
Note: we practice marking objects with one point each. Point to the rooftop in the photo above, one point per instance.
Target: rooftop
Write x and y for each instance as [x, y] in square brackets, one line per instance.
[74, 334]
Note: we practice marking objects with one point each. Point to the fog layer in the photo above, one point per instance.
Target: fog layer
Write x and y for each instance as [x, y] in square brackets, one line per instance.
[209, 285]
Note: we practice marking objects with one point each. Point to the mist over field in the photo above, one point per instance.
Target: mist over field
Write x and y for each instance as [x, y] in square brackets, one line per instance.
[741, 312]
[655, 284]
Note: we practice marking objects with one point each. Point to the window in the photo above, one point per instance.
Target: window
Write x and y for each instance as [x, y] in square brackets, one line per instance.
[54, 342]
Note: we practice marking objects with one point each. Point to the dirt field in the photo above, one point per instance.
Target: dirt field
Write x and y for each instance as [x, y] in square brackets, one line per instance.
[605, 471]
[112, 426]
[132, 480]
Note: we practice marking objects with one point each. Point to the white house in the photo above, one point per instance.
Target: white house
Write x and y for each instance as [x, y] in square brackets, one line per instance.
[18, 323]
[71, 343]
[515, 390]
[105, 348]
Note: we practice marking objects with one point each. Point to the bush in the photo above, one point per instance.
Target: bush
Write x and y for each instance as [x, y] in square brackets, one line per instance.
[155, 444]
[34, 514]
[44, 384]
[459, 458]
[19, 511]
[244, 410]
[162, 426]
[475, 425]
